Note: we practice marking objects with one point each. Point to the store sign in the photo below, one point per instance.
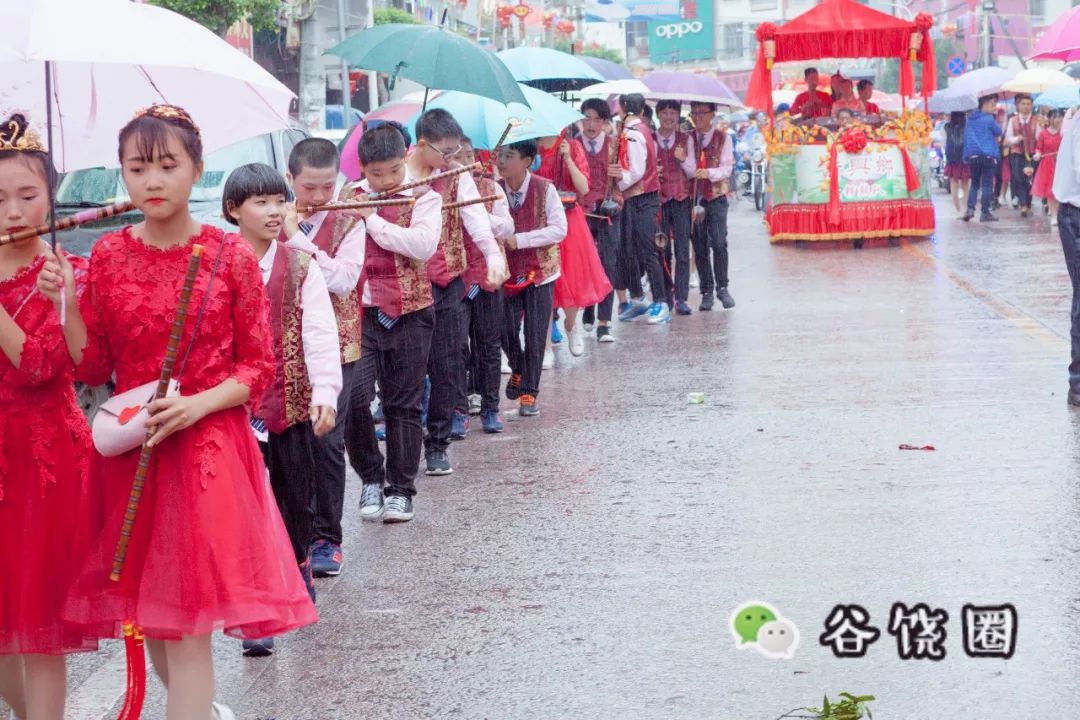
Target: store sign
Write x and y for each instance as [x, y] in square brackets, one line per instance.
[683, 39]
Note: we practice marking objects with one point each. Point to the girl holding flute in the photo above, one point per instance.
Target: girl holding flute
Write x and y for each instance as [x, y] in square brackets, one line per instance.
[208, 550]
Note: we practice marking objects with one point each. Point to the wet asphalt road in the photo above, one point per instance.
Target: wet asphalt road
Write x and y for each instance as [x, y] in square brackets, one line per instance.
[584, 564]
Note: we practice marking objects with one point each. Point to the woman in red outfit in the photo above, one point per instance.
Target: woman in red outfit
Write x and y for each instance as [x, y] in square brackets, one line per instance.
[209, 550]
[1046, 150]
[44, 448]
[582, 281]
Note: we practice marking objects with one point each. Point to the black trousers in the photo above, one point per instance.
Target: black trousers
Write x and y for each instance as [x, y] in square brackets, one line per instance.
[1069, 229]
[480, 351]
[290, 458]
[445, 369]
[330, 466]
[531, 306]
[675, 216]
[639, 246]
[710, 246]
[607, 233]
[1019, 183]
[983, 169]
[397, 359]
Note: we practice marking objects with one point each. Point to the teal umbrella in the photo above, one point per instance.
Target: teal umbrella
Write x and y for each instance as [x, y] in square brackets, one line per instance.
[550, 70]
[484, 120]
[432, 56]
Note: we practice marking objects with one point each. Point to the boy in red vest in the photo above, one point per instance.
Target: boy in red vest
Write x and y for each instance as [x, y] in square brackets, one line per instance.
[637, 179]
[716, 160]
[396, 332]
[675, 155]
[439, 140]
[336, 241]
[301, 404]
[533, 257]
[606, 231]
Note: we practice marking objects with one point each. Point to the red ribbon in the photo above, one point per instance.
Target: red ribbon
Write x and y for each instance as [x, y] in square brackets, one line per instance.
[910, 176]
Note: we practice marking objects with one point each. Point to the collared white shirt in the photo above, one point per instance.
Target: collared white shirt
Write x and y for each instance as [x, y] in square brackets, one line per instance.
[502, 225]
[637, 153]
[595, 145]
[420, 240]
[477, 222]
[727, 157]
[1021, 121]
[555, 230]
[320, 332]
[1066, 186]
[342, 271]
[689, 163]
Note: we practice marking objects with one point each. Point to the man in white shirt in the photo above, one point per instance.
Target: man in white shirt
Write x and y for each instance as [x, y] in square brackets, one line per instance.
[1067, 191]
[711, 186]
[1022, 132]
[677, 162]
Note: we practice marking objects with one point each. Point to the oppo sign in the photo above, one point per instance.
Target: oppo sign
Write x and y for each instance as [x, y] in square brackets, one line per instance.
[677, 30]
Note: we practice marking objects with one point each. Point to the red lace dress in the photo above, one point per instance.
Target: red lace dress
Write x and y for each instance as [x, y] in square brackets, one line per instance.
[209, 550]
[582, 281]
[44, 450]
[1047, 145]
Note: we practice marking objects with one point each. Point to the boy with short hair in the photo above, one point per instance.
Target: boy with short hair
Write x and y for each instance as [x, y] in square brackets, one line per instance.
[533, 257]
[396, 332]
[716, 160]
[606, 230]
[982, 154]
[676, 164]
[301, 403]
[336, 241]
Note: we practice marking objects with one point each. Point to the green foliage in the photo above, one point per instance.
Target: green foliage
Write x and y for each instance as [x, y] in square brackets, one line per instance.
[386, 16]
[848, 707]
[219, 15]
[890, 69]
[591, 51]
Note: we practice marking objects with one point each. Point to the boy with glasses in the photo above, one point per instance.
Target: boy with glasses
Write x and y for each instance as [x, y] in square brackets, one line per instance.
[716, 160]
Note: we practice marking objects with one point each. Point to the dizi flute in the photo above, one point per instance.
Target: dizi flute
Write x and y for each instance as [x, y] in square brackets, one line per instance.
[466, 203]
[358, 204]
[87, 216]
[428, 180]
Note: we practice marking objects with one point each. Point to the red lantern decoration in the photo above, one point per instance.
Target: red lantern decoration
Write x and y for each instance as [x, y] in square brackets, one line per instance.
[923, 22]
[766, 35]
[549, 19]
[521, 10]
[565, 27]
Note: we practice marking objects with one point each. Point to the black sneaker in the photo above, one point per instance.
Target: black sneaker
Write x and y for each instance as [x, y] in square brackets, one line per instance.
[371, 501]
[399, 509]
[707, 302]
[725, 298]
[968, 215]
[264, 647]
[988, 217]
[438, 463]
[1074, 398]
[513, 386]
[603, 334]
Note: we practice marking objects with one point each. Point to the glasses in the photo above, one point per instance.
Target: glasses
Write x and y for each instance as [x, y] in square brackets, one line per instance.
[447, 154]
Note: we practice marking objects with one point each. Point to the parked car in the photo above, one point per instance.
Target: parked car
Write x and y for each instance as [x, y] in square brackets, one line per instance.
[98, 187]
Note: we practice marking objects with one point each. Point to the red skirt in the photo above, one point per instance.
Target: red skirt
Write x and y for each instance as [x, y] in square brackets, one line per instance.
[582, 281]
[1043, 187]
[958, 171]
[41, 548]
[209, 549]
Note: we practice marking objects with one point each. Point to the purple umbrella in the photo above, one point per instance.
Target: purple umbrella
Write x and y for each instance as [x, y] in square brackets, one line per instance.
[689, 87]
[610, 70]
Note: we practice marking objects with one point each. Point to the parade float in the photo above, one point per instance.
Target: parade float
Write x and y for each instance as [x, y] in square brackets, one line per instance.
[867, 179]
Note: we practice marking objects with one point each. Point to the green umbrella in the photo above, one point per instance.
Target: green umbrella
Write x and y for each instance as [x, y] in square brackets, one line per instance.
[432, 56]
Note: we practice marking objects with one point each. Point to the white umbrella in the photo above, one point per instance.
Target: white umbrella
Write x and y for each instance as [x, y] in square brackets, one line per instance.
[614, 87]
[1038, 80]
[109, 58]
[984, 81]
[952, 100]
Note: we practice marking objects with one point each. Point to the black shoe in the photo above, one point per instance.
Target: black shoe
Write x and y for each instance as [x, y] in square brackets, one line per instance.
[513, 387]
[995, 205]
[263, 647]
[438, 463]
[603, 334]
[1074, 398]
[725, 298]
[399, 509]
[968, 216]
[588, 316]
[707, 302]
[988, 217]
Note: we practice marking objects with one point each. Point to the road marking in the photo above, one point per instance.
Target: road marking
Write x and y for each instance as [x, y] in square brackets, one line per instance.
[95, 698]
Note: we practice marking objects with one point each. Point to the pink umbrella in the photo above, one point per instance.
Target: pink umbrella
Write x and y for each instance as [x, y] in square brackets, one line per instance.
[1060, 41]
[397, 111]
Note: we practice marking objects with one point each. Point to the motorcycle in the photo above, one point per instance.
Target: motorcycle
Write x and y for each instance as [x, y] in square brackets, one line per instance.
[937, 166]
[751, 169]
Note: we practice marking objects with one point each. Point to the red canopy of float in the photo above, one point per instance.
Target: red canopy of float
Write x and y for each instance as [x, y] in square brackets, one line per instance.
[843, 29]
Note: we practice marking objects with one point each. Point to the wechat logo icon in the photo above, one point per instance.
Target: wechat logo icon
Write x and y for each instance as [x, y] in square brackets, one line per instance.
[760, 626]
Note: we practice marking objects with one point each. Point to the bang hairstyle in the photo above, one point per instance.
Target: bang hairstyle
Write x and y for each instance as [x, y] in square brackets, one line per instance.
[152, 136]
[248, 181]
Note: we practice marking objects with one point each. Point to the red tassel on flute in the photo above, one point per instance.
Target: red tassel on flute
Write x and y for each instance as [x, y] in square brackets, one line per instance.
[136, 673]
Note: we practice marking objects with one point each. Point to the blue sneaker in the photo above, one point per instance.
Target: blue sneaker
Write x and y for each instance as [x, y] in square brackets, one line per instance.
[326, 559]
[682, 308]
[380, 433]
[659, 313]
[636, 309]
[556, 333]
[459, 428]
[308, 578]
[492, 422]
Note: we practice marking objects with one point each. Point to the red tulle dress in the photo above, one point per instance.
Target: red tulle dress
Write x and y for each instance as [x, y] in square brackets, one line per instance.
[209, 549]
[582, 281]
[44, 451]
[1047, 145]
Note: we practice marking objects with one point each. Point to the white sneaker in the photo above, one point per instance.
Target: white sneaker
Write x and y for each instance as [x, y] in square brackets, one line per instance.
[693, 280]
[549, 360]
[222, 712]
[506, 365]
[577, 341]
[588, 327]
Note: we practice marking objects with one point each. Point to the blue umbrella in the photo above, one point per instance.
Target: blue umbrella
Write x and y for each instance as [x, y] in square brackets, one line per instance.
[1060, 98]
[549, 69]
[484, 120]
[610, 70]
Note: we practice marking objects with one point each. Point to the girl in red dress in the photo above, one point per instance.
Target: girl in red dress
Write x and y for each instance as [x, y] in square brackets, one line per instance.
[1046, 149]
[582, 281]
[44, 448]
[209, 550]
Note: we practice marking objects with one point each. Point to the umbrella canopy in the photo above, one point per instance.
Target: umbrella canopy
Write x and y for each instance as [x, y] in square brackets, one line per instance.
[689, 87]
[609, 70]
[615, 87]
[484, 121]
[432, 56]
[1062, 97]
[952, 100]
[981, 82]
[1060, 41]
[397, 111]
[1038, 80]
[136, 55]
[549, 69]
